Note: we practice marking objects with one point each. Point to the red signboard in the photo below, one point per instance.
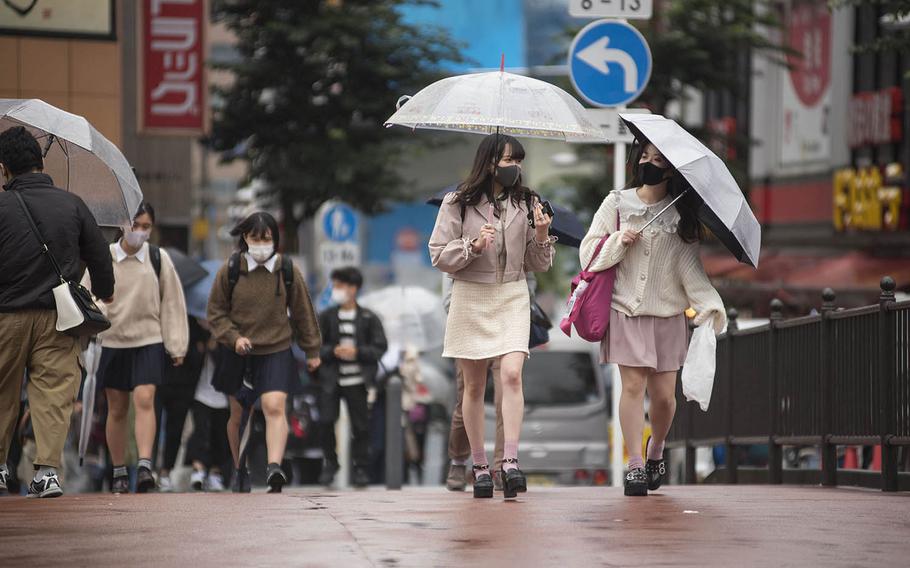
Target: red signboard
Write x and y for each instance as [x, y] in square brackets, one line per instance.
[172, 94]
[876, 117]
[809, 34]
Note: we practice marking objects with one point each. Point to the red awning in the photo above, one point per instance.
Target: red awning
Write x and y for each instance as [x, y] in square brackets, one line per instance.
[849, 271]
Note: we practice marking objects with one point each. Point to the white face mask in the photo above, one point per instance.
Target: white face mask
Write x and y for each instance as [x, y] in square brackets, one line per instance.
[261, 253]
[340, 296]
[135, 239]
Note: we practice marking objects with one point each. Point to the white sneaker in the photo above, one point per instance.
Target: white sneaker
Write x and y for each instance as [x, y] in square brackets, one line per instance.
[47, 486]
[4, 480]
[165, 485]
[215, 483]
[197, 480]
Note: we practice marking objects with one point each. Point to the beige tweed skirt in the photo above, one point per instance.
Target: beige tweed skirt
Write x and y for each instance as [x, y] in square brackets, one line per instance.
[487, 320]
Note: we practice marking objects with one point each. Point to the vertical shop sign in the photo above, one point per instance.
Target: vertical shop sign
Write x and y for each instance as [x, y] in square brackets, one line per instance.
[172, 74]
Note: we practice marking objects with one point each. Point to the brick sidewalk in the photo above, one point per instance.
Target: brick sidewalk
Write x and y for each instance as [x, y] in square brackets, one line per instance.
[679, 526]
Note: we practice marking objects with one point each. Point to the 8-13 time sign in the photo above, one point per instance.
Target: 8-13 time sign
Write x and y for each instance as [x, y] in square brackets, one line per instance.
[629, 9]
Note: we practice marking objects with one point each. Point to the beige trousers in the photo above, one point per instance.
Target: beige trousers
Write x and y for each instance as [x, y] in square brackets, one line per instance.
[29, 341]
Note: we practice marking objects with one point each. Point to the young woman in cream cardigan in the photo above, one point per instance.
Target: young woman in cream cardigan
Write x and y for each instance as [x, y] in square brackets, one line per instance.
[659, 275]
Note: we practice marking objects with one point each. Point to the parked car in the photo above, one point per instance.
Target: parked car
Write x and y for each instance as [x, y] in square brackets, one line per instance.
[564, 438]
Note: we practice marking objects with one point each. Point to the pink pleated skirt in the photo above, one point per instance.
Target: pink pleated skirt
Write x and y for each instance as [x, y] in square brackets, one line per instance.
[646, 341]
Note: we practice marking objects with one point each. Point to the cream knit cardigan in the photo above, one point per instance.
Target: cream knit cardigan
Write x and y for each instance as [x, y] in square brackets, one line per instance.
[660, 275]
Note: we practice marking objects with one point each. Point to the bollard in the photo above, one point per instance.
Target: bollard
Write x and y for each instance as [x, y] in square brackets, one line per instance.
[394, 434]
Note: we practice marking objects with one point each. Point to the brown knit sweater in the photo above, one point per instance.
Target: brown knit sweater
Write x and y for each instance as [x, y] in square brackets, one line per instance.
[258, 310]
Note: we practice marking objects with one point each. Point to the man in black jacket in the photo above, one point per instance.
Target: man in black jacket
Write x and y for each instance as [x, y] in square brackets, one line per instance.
[29, 340]
[353, 342]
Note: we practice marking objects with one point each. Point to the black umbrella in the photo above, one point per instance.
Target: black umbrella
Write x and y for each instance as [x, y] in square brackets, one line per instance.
[188, 270]
[566, 224]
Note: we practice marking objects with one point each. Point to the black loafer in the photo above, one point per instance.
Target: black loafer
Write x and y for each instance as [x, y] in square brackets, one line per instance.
[145, 481]
[241, 483]
[483, 482]
[275, 478]
[655, 470]
[636, 483]
[513, 481]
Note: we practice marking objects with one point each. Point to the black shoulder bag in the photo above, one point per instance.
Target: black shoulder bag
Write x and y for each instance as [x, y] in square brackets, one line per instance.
[77, 313]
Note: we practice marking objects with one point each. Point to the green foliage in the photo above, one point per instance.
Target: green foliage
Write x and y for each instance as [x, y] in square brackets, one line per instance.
[315, 82]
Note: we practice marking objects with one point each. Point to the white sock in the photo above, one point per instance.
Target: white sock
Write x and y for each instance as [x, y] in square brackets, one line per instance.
[459, 462]
[44, 470]
[3, 468]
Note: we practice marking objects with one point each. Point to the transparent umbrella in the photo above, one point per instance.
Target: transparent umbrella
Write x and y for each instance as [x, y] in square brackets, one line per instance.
[487, 103]
[91, 357]
[79, 159]
[410, 315]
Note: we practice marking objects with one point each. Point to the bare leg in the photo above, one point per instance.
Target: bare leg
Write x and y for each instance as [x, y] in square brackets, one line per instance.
[118, 406]
[662, 390]
[513, 401]
[276, 424]
[233, 430]
[144, 404]
[632, 408]
[475, 380]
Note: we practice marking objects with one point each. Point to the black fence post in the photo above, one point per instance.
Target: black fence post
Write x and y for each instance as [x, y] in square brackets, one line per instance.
[829, 450]
[775, 450]
[886, 356]
[732, 462]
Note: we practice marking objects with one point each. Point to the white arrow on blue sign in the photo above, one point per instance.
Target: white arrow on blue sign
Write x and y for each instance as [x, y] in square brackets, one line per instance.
[609, 63]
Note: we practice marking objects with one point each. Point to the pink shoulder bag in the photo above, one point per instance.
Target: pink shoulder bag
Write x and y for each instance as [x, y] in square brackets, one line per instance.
[590, 298]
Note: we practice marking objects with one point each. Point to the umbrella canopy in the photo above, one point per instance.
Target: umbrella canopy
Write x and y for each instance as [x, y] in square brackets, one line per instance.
[188, 269]
[91, 357]
[725, 211]
[566, 224]
[497, 101]
[79, 159]
[197, 295]
[410, 315]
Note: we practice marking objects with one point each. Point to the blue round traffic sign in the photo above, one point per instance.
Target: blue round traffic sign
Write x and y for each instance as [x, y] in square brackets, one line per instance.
[339, 223]
[609, 63]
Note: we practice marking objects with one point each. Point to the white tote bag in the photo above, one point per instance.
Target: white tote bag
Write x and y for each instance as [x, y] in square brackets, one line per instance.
[69, 315]
[701, 361]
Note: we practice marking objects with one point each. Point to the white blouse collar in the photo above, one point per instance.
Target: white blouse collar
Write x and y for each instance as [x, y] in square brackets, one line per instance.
[632, 207]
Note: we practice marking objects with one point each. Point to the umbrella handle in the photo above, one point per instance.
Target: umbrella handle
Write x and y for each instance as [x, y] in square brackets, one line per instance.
[662, 211]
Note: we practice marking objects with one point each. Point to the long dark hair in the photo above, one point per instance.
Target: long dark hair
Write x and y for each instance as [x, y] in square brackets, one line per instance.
[257, 224]
[690, 228]
[480, 181]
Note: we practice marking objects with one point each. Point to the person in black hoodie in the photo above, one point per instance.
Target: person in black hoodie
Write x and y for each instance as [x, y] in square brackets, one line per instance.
[29, 340]
[353, 342]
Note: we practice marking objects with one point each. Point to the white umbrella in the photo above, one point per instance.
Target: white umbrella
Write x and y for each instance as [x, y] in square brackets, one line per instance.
[497, 101]
[90, 359]
[410, 315]
[79, 159]
[726, 212]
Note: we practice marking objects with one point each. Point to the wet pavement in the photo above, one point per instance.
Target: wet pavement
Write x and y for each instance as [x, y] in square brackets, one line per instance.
[678, 526]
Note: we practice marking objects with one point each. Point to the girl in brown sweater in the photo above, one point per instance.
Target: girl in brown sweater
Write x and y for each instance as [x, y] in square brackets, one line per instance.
[255, 318]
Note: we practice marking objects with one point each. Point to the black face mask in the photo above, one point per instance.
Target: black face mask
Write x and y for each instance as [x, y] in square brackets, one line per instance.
[508, 176]
[651, 174]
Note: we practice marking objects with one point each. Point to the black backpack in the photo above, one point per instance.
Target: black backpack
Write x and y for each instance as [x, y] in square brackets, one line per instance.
[155, 256]
[287, 274]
